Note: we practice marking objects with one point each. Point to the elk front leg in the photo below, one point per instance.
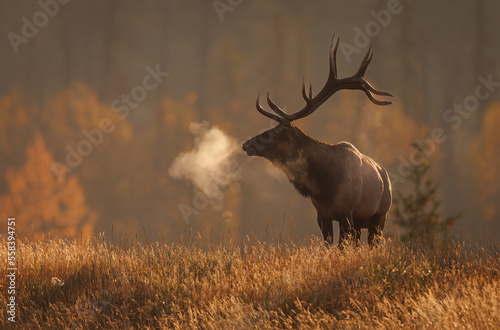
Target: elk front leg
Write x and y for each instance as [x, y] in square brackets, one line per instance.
[326, 226]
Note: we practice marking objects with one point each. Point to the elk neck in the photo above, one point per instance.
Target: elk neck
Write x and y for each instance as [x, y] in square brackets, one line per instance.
[304, 164]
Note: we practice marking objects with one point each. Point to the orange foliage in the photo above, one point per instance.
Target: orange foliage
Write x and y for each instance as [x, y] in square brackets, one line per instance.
[75, 108]
[484, 154]
[180, 113]
[43, 200]
[17, 116]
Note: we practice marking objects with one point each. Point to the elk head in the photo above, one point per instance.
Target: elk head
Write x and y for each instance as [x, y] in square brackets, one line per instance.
[281, 142]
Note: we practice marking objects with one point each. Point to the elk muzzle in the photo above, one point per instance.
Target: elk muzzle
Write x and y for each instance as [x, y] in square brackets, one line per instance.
[248, 148]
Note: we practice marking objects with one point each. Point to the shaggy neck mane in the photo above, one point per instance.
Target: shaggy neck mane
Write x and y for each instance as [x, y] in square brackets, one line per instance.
[298, 170]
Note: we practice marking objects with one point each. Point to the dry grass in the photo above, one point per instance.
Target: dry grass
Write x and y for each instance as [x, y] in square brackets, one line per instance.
[252, 285]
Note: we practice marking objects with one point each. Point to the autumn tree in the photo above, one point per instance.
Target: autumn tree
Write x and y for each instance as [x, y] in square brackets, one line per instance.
[417, 211]
[44, 200]
[484, 158]
[74, 121]
[70, 115]
[17, 117]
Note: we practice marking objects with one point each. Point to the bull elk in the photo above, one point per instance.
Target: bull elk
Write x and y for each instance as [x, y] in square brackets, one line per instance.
[344, 185]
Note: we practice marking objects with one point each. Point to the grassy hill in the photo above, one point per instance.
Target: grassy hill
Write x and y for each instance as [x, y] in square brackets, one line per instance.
[247, 284]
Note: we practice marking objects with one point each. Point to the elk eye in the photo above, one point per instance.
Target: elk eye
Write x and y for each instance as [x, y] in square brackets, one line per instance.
[267, 137]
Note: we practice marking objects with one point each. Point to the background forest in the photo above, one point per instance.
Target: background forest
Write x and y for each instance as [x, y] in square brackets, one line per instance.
[98, 98]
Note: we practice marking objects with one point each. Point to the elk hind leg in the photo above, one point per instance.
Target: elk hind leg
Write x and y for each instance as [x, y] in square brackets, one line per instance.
[347, 231]
[357, 233]
[375, 228]
[326, 226]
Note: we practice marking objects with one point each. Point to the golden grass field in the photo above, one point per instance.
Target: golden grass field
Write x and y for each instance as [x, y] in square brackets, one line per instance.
[246, 284]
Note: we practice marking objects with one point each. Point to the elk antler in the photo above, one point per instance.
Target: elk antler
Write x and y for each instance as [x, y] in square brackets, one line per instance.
[332, 85]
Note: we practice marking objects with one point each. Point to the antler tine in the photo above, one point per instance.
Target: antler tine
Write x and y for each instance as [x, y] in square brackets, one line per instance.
[275, 108]
[304, 95]
[331, 62]
[365, 85]
[333, 56]
[366, 62]
[374, 100]
[265, 113]
[373, 90]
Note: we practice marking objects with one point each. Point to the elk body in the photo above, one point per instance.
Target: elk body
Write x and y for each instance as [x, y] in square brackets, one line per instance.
[344, 185]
